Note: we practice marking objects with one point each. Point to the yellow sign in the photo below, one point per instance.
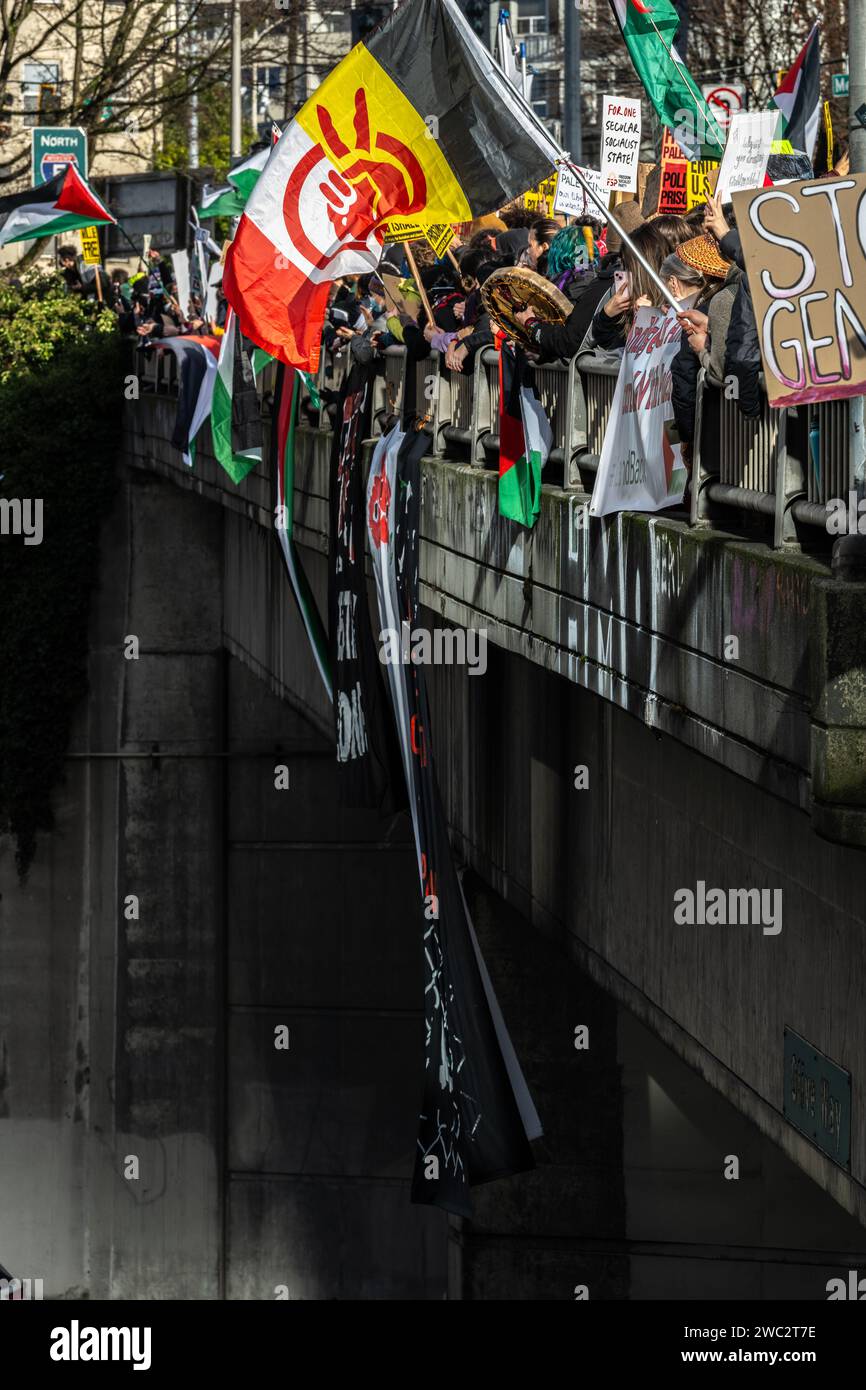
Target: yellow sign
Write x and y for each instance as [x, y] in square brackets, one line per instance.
[90, 245]
[540, 199]
[402, 229]
[440, 237]
[701, 181]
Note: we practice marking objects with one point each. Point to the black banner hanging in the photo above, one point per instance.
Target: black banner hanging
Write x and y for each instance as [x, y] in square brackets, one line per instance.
[477, 1115]
[367, 753]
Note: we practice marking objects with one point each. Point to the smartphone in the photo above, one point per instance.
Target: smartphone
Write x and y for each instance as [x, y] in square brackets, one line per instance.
[621, 281]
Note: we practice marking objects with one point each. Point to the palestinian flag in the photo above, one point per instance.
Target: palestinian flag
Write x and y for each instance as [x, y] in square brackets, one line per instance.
[649, 28]
[244, 176]
[197, 368]
[417, 122]
[525, 437]
[225, 201]
[799, 96]
[63, 204]
[236, 420]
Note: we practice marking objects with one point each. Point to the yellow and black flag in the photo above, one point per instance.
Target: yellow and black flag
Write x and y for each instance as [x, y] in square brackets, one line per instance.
[416, 123]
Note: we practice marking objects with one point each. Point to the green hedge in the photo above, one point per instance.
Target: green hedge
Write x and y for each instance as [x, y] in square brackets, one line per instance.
[61, 402]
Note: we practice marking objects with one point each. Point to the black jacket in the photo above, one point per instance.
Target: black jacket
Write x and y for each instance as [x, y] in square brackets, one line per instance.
[684, 383]
[587, 292]
[742, 350]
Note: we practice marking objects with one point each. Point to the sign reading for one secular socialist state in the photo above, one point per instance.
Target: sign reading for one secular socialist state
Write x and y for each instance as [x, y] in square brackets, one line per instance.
[805, 250]
[620, 151]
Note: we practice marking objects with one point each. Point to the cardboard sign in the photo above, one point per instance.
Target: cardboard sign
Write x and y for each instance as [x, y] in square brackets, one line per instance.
[90, 245]
[807, 272]
[747, 150]
[570, 198]
[402, 296]
[641, 466]
[620, 151]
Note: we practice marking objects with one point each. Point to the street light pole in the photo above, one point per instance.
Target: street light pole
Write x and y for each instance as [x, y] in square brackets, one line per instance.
[236, 150]
[572, 134]
[192, 133]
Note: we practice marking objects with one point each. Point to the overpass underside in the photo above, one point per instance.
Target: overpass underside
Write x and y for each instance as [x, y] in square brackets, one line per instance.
[615, 752]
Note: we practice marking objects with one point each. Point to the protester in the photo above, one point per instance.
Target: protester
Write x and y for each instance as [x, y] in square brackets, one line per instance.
[708, 331]
[614, 319]
[695, 275]
[674, 229]
[541, 234]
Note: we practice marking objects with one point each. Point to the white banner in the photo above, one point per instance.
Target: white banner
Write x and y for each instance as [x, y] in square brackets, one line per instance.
[640, 470]
[620, 150]
[747, 151]
[572, 201]
[180, 266]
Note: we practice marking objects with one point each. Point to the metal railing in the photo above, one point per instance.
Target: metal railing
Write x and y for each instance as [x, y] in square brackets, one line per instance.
[784, 465]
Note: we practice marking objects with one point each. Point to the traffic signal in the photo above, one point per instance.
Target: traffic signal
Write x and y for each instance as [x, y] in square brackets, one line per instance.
[476, 11]
[365, 17]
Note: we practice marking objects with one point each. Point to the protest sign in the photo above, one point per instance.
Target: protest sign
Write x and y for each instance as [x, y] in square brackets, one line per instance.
[620, 151]
[702, 174]
[572, 201]
[673, 190]
[440, 237]
[641, 467]
[403, 229]
[806, 265]
[747, 150]
[90, 245]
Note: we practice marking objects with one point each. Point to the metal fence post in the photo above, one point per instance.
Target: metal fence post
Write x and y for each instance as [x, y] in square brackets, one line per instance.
[481, 421]
[790, 483]
[699, 512]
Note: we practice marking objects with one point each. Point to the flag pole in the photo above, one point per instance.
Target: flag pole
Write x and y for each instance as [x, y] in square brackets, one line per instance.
[419, 287]
[654, 276]
[686, 77]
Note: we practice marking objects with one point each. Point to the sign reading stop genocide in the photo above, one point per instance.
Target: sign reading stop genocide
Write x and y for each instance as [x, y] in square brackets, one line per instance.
[806, 261]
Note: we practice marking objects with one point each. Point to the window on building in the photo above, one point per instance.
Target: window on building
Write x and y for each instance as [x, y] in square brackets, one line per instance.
[334, 21]
[40, 91]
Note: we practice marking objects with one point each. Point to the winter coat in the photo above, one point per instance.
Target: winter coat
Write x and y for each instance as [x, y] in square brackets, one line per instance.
[587, 291]
[742, 349]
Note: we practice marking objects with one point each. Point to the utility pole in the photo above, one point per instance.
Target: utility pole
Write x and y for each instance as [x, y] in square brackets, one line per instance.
[192, 125]
[572, 134]
[236, 150]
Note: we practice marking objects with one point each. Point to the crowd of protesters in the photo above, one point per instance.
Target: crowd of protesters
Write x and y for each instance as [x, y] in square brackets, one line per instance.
[146, 301]
[697, 256]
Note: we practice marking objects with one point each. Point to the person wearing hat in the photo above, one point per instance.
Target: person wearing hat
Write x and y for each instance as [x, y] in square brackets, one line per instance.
[695, 274]
[707, 331]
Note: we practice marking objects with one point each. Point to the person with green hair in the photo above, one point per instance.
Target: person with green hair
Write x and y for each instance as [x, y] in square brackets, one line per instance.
[572, 252]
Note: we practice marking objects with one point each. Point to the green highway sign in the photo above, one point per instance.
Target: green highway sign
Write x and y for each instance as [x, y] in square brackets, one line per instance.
[817, 1097]
[840, 84]
[54, 147]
